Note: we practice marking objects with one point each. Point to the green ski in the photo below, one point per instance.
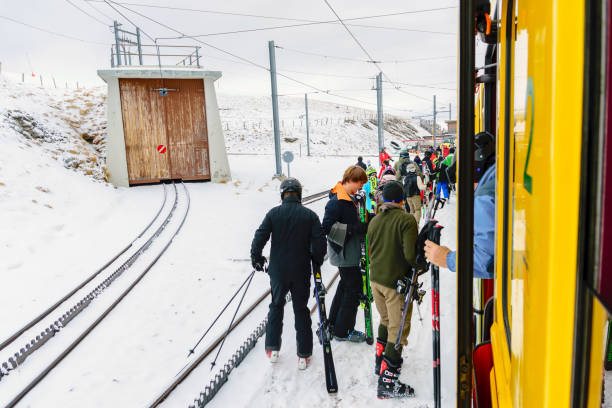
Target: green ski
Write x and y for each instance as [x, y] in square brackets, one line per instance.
[364, 266]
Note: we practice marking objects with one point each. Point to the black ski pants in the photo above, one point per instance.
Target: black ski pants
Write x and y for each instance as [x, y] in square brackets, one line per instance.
[300, 292]
[343, 309]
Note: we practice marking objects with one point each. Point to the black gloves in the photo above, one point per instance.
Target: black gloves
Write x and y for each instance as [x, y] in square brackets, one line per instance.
[358, 228]
[258, 262]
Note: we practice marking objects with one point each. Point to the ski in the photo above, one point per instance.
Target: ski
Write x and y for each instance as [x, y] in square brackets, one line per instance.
[323, 332]
[364, 266]
[435, 319]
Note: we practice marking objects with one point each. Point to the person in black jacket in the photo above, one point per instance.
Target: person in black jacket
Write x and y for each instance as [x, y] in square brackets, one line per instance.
[344, 232]
[297, 241]
[360, 163]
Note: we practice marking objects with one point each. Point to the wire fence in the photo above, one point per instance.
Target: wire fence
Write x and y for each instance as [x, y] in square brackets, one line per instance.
[46, 80]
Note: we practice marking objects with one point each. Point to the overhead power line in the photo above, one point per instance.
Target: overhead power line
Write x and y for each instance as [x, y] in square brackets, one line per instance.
[318, 22]
[370, 58]
[228, 52]
[337, 57]
[86, 13]
[303, 22]
[52, 32]
[98, 10]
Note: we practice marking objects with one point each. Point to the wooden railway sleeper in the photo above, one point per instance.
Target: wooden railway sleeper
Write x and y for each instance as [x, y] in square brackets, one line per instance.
[34, 344]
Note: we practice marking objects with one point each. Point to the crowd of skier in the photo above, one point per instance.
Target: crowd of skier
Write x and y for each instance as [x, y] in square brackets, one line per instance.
[370, 232]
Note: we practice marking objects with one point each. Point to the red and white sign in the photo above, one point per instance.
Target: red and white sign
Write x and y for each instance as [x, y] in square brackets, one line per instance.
[161, 149]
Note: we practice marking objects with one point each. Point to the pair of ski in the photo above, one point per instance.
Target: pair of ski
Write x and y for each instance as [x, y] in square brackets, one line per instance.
[413, 294]
[364, 267]
[323, 331]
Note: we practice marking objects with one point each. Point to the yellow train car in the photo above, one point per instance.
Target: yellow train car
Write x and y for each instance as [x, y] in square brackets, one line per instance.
[547, 103]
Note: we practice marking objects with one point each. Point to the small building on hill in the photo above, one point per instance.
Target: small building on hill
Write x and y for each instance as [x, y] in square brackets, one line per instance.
[163, 124]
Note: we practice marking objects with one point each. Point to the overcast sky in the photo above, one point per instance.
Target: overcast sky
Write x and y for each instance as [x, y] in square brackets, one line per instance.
[25, 49]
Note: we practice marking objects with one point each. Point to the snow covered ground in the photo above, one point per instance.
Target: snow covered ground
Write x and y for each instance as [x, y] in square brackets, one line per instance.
[63, 222]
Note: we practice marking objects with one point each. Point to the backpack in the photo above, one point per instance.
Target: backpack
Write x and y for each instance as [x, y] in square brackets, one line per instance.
[411, 187]
[403, 166]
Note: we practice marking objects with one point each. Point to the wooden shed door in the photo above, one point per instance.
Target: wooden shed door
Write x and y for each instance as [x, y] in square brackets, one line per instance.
[186, 129]
[144, 129]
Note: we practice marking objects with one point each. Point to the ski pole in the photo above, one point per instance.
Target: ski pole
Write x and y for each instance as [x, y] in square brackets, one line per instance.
[232, 322]
[192, 350]
[408, 301]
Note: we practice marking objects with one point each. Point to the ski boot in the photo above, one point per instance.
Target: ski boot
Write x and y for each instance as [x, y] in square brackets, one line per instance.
[380, 347]
[389, 385]
[354, 336]
[272, 355]
[303, 363]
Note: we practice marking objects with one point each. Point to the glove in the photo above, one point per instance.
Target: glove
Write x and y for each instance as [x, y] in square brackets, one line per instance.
[258, 262]
[358, 228]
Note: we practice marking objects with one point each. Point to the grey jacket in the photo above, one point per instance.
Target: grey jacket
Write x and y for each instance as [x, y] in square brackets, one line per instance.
[350, 252]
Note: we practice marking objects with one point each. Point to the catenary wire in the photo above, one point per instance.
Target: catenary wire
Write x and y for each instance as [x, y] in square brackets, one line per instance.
[303, 22]
[86, 13]
[337, 57]
[235, 55]
[98, 10]
[370, 59]
[52, 32]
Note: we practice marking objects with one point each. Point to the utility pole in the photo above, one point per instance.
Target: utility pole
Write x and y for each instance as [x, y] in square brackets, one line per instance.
[433, 131]
[307, 126]
[117, 50]
[275, 107]
[449, 111]
[381, 140]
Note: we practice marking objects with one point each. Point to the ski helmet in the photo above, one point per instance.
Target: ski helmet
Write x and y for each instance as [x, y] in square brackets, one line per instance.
[484, 153]
[291, 185]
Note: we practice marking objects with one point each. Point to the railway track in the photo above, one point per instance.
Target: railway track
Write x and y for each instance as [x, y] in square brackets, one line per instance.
[215, 343]
[55, 327]
[50, 328]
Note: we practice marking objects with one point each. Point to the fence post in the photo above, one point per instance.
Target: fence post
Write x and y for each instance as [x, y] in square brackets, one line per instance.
[307, 126]
[41, 83]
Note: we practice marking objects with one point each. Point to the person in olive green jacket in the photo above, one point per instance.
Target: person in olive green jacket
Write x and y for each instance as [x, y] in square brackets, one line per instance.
[392, 236]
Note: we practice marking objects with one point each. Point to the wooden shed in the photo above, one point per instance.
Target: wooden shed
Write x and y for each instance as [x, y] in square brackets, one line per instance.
[163, 125]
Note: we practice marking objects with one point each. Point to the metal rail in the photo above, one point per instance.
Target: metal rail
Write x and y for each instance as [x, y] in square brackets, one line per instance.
[76, 342]
[38, 341]
[82, 284]
[314, 197]
[221, 378]
[245, 348]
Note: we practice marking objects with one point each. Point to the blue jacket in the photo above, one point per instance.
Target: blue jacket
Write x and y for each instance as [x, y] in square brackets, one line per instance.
[484, 228]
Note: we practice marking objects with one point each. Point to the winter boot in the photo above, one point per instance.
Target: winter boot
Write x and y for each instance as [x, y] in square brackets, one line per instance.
[303, 363]
[272, 355]
[389, 385]
[354, 336]
[380, 347]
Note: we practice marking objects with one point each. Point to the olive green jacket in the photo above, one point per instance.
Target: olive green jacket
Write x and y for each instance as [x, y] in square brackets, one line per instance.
[391, 238]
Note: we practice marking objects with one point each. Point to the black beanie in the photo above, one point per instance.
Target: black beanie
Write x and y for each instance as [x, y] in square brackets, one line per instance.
[393, 191]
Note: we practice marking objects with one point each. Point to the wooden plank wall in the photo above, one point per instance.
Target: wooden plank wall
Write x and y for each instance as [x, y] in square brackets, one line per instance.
[144, 129]
[186, 127]
[177, 121]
